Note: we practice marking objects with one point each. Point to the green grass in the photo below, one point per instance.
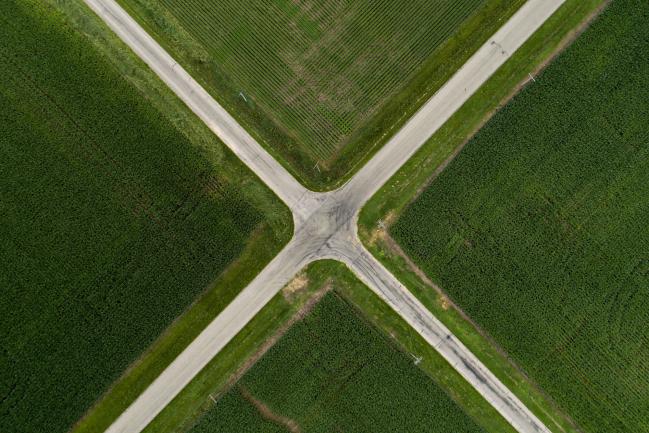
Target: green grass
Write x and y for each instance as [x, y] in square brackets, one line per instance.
[334, 372]
[321, 82]
[538, 229]
[395, 195]
[112, 220]
[196, 397]
[277, 316]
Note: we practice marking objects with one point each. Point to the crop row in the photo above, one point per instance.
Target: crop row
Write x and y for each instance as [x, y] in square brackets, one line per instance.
[111, 221]
[538, 230]
[320, 69]
[332, 371]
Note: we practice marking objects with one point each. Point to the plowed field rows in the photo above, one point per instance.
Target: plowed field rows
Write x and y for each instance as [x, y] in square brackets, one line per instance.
[321, 84]
[320, 68]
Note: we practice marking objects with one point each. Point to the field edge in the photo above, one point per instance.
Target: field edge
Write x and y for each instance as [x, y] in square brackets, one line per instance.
[218, 375]
[269, 237]
[385, 207]
[371, 135]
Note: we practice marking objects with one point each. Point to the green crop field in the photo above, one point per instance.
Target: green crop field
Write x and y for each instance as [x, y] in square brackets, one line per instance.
[319, 66]
[333, 372]
[309, 78]
[538, 229]
[111, 220]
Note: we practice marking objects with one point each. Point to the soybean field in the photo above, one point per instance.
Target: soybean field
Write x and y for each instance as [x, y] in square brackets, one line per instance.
[333, 372]
[111, 220]
[308, 76]
[539, 228]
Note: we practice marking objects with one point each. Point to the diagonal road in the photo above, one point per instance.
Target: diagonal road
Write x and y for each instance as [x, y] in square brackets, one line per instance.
[325, 223]
[466, 81]
[200, 102]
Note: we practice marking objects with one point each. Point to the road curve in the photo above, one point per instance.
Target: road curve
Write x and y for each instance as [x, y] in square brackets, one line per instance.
[325, 223]
[201, 103]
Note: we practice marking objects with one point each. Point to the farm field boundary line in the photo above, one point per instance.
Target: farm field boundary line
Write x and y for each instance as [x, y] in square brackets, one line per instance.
[314, 95]
[344, 285]
[325, 223]
[212, 381]
[385, 207]
[201, 103]
[105, 214]
[559, 195]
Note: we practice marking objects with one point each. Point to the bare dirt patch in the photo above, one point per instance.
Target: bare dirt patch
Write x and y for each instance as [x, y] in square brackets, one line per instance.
[444, 302]
[380, 232]
[267, 413]
[295, 286]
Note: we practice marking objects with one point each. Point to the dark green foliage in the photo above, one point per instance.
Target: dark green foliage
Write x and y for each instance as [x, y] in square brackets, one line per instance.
[235, 414]
[333, 372]
[111, 222]
[321, 81]
[540, 228]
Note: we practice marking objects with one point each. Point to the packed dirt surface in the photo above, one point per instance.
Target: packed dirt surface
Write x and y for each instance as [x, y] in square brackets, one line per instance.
[266, 412]
[295, 286]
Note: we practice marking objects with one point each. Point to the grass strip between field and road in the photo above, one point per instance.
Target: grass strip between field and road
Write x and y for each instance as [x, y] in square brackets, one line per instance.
[334, 371]
[538, 229]
[178, 335]
[388, 116]
[113, 218]
[265, 241]
[274, 321]
[386, 206]
[157, 93]
[196, 395]
[238, 355]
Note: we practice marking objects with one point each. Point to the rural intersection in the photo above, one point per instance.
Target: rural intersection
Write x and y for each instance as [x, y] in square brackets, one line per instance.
[325, 223]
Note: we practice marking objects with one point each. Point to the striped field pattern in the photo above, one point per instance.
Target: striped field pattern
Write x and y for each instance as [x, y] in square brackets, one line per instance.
[320, 69]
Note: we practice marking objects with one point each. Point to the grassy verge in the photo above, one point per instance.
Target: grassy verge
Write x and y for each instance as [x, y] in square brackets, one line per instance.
[332, 371]
[364, 140]
[222, 372]
[112, 220]
[158, 95]
[384, 318]
[271, 230]
[260, 250]
[433, 73]
[249, 344]
[385, 207]
[404, 187]
[538, 230]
